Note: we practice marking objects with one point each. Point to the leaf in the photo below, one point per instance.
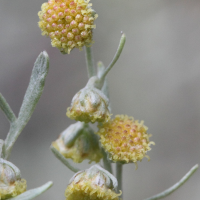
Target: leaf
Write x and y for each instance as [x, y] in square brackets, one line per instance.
[63, 160]
[175, 186]
[31, 98]
[31, 194]
[6, 109]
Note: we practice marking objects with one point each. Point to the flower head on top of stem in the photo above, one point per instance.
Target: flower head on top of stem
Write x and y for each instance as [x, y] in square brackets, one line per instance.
[125, 139]
[68, 23]
[11, 183]
[93, 183]
[90, 104]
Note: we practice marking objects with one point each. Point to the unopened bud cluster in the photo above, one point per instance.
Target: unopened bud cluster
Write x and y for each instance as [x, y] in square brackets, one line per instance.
[68, 23]
[89, 105]
[125, 139]
[93, 183]
[79, 142]
[11, 183]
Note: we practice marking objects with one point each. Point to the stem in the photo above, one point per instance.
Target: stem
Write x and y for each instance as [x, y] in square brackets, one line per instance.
[106, 162]
[6, 109]
[63, 160]
[119, 176]
[2, 149]
[176, 186]
[116, 56]
[89, 61]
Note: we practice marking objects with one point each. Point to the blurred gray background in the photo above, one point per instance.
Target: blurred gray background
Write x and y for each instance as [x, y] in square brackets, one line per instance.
[156, 79]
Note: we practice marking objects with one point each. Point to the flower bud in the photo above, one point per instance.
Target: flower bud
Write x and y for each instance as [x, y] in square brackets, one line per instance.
[79, 142]
[11, 183]
[89, 104]
[125, 139]
[93, 183]
[59, 18]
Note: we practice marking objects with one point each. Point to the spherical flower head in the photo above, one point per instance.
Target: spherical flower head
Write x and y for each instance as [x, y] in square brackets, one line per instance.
[93, 183]
[79, 142]
[68, 23]
[125, 139]
[89, 105]
[11, 183]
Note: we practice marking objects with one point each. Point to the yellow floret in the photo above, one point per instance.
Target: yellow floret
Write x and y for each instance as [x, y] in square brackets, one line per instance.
[12, 190]
[125, 139]
[68, 23]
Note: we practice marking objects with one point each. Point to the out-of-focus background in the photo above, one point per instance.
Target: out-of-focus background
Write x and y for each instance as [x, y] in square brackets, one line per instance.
[156, 79]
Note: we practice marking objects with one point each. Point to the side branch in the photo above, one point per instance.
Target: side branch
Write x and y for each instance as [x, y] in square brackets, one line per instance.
[176, 186]
[6, 109]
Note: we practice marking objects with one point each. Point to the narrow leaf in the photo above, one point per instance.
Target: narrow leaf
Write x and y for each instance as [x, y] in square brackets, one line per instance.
[175, 186]
[31, 194]
[63, 160]
[6, 109]
[31, 98]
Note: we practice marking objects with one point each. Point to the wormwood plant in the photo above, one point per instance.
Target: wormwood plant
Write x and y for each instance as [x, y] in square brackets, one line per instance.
[120, 139]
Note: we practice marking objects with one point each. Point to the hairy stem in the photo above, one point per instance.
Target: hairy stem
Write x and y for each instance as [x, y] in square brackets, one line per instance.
[89, 61]
[119, 176]
[176, 186]
[106, 162]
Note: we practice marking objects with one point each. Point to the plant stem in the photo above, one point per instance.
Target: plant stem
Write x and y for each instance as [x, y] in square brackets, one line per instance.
[106, 162]
[63, 160]
[119, 176]
[116, 56]
[2, 149]
[176, 186]
[89, 61]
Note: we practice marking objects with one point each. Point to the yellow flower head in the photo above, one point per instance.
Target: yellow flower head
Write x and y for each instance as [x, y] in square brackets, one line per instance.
[11, 183]
[93, 183]
[125, 139]
[68, 23]
[79, 142]
[89, 105]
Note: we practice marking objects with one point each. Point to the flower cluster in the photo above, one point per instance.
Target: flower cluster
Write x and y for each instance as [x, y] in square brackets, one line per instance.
[68, 23]
[79, 142]
[89, 105]
[11, 183]
[125, 139]
[93, 183]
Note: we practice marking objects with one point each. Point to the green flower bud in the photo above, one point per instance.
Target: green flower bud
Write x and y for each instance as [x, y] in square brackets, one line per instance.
[79, 142]
[11, 183]
[93, 183]
[90, 104]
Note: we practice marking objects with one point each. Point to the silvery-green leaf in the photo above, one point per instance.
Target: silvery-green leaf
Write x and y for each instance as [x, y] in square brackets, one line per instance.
[31, 194]
[31, 98]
